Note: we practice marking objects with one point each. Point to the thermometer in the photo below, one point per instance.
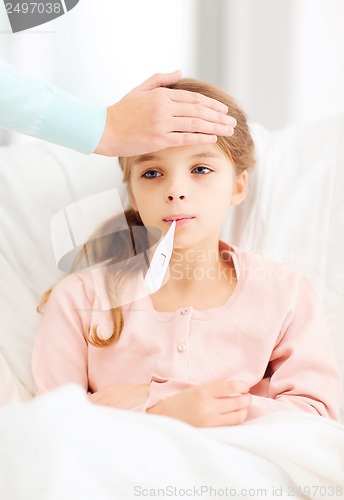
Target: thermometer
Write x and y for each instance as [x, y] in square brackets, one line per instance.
[160, 261]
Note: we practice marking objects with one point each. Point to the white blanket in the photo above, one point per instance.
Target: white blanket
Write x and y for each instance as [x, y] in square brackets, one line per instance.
[61, 447]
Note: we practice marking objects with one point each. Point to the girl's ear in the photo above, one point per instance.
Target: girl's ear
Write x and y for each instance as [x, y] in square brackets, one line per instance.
[240, 188]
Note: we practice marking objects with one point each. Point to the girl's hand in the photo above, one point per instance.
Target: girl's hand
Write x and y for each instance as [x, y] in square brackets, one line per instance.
[213, 404]
[125, 396]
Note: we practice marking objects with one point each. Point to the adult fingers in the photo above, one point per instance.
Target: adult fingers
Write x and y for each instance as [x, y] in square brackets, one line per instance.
[187, 110]
[178, 95]
[175, 139]
[199, 125]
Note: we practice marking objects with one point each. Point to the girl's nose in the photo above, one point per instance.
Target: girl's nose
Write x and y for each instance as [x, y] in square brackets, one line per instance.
[174, 196]
[176, 188]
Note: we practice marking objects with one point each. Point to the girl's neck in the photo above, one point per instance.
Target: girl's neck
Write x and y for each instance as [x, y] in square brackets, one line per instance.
[199, 269]
[201, 282]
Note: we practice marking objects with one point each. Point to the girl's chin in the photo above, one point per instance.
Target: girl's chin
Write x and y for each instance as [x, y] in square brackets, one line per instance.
[183, 246]
[188, 241]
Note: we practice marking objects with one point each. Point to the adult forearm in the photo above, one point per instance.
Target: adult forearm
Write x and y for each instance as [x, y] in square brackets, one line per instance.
[46, 112]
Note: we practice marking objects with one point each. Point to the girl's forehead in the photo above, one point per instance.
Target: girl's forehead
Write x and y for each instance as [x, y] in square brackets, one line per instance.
[188, 153]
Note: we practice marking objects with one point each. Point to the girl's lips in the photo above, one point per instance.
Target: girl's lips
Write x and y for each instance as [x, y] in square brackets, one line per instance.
[179, 222]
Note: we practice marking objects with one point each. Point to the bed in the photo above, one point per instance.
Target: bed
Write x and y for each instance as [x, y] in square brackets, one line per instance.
[59, 446]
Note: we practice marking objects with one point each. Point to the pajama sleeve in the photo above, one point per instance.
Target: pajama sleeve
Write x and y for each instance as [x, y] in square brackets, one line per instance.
[161, 388]
[60, 348]
[46, 112]
[303, 371]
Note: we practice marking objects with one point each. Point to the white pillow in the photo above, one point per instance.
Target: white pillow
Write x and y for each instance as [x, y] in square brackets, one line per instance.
[11, 389]
[294, 212]
[36, 181]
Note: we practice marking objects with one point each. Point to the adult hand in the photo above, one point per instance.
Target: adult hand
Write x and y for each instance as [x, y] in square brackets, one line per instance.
[125, 396]
[213, 404]
[152, 117]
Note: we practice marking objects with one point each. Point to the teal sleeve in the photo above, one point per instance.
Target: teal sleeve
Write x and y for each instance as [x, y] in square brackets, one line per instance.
[46, 112]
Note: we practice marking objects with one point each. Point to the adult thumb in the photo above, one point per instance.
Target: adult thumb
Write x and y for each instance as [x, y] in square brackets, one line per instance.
[160, 80]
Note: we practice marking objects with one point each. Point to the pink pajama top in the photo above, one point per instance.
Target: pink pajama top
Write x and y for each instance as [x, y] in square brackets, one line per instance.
[271, 333]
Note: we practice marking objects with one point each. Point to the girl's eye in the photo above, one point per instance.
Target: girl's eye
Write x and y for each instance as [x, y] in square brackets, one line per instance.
[201, 169]
[150, 174]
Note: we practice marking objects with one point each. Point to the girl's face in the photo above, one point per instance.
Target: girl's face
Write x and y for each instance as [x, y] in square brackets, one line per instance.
[195, 181]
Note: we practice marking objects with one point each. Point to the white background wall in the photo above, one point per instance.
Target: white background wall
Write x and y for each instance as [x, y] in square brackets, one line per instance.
[122, 42]
[283, 60]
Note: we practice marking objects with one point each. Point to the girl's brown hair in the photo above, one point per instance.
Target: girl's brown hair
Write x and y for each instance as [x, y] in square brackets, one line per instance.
[240, 150]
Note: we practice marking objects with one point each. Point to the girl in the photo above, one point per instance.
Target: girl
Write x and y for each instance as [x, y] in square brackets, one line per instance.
[229, 337]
